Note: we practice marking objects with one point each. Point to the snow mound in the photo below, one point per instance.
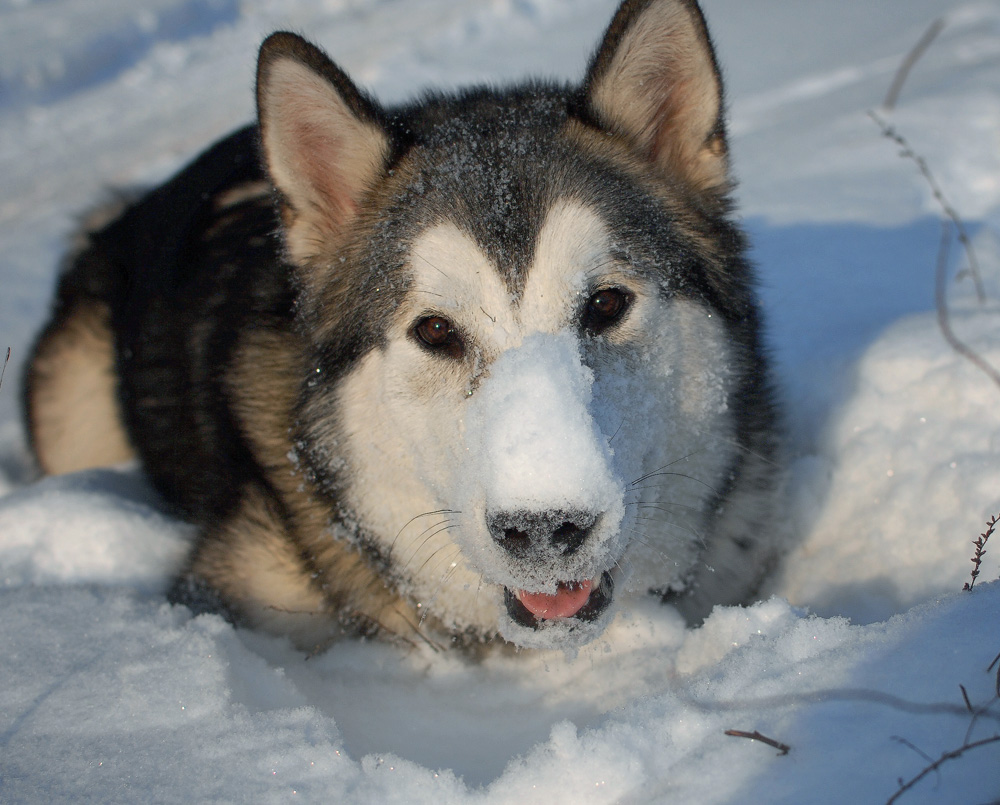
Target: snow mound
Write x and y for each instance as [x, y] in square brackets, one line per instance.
[100, 526]
[909, 479]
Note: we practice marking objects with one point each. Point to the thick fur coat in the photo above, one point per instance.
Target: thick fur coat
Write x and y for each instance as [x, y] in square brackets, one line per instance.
[484, 363]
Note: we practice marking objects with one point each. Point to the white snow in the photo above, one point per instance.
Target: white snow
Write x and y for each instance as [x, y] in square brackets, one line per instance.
[532, 414]
[108, 694]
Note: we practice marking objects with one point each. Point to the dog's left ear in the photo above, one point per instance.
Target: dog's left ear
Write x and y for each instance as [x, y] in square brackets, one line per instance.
[655, 80]
[322, 141]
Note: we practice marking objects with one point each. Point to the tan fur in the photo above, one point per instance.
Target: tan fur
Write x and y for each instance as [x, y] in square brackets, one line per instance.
[290, 574]
[667, 98]
[72, 398]
[260, 573]
[250, 191]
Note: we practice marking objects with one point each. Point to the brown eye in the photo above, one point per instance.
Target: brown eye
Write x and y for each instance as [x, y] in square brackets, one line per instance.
[437, 334]
[433, 331]
[604, 308]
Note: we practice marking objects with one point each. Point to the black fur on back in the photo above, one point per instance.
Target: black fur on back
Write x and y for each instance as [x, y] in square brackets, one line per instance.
[169, 267]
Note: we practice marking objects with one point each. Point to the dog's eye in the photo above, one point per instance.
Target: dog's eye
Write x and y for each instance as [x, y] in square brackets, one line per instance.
[437, 334]
[604, 308]
[434, 330]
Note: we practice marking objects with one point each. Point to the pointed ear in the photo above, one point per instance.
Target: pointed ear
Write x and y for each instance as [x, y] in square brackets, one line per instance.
[655, 80]
[321, 139]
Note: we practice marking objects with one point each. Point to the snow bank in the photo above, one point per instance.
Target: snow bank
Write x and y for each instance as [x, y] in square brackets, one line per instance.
[117, 697]
[911, 459]
[100, 526]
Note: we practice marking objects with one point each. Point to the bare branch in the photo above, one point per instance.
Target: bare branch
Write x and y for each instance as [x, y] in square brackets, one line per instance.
[904, 787]
[907, 151]
[913, 746]
[911, 58]
[977, 557]
[783, 749]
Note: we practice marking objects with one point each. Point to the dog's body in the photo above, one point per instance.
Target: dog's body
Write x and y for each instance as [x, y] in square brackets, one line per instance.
[502, 364]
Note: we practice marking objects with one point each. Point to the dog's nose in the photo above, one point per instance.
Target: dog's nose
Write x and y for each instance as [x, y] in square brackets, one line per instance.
[518, 532]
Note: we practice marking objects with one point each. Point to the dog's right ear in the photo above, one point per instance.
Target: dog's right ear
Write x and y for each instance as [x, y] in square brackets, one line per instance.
[321, 138]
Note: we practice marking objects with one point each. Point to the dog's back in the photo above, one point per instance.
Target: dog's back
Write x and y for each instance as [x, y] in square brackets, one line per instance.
[137, 293]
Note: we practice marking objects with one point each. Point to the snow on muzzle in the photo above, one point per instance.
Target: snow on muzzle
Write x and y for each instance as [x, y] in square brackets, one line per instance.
[551, 502]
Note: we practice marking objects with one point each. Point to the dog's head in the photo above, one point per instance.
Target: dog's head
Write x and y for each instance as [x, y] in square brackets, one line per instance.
[520, 306]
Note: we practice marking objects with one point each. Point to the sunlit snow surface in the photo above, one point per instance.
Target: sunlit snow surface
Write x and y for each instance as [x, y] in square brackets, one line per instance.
[108, 694]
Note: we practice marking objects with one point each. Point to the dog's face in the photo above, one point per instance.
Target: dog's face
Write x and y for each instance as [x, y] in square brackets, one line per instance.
[519, 315]
[516, 456]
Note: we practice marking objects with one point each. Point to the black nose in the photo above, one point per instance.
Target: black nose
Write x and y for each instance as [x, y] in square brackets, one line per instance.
[520, 531]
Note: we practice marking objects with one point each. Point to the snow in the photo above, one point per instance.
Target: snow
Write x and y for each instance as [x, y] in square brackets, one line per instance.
[856, 662]
[534, 414]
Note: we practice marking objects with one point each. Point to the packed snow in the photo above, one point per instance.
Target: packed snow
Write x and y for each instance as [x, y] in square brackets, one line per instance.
[864, 662]
[533, 414]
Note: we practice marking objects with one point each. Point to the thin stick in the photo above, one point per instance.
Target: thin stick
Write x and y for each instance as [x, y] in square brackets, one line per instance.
[911, 58]
[943, 316]
[980, 552]
[963, 236]
[914, 747]
[904, 787]
[784, 749]
[4, 370]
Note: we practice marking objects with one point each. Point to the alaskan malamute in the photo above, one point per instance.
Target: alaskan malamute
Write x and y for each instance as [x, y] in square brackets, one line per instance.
[481, 364]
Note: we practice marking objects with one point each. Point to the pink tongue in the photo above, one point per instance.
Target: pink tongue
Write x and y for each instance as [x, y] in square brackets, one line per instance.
[567, 601]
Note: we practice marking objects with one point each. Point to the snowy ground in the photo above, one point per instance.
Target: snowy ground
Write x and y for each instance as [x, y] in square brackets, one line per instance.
[108, 694]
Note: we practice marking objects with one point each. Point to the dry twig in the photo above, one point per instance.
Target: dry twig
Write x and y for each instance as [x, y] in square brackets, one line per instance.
[911, 58]
[950, 214]
[967, 744]
[940, 281]
[904, 787]
[783, 749]
[907, 152]
[977, 557]
[888, 131]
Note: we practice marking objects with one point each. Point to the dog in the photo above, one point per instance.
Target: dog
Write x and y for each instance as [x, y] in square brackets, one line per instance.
[481, 364]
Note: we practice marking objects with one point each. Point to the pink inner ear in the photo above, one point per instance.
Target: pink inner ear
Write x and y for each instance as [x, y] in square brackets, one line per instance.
[322, 155]
[318, 155]
[680, 127]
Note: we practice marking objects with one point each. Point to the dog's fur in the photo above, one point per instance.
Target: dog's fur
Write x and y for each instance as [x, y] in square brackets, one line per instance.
[471, 365]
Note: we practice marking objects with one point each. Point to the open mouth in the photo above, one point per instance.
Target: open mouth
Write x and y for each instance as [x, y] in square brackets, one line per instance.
[581, 600]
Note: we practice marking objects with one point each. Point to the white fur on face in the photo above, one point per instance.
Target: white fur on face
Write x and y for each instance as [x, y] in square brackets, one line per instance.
[536, 414]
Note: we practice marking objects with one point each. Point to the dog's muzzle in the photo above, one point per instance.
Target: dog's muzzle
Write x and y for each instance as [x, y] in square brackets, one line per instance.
[543, 536]
[584, 601]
